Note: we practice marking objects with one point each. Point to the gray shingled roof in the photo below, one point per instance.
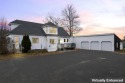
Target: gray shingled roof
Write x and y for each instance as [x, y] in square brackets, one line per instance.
[31, 28]
[26, 23]
[50, 24]
[62, 32]
[27, 29]
[96, 35]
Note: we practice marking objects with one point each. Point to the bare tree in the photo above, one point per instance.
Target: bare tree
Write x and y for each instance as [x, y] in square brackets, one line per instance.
[3, 26]
[70, 18]
[55, 20]
[4, 29]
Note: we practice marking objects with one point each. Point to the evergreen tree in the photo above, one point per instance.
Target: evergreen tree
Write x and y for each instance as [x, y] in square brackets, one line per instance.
[26, 44]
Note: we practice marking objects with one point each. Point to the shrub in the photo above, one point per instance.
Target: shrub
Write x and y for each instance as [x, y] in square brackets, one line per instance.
[10, 45]
[3, 45]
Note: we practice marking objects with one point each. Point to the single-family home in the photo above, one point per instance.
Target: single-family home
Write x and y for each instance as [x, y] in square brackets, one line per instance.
[42, 36]
[49, 36]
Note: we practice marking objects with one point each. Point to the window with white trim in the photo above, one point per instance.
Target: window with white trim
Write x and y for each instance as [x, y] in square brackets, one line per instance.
[35, 40]
[52, 30]
[64, 40]
[117, 45]
[67, 40]
[59, 41]
[52, 41]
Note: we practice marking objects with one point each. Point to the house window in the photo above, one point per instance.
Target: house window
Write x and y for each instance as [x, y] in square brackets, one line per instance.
[64, 40]
[59, 41]
[67, 40]
[35, 40]
[117, 44]
[16, 39]
[52, 30]
[52, 41]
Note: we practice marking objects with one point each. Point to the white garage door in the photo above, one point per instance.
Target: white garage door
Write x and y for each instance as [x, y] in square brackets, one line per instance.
[85, 45]
[94, 45]
[106, 45]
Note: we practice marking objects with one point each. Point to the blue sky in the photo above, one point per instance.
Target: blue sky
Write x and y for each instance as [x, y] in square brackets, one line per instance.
[96, 16]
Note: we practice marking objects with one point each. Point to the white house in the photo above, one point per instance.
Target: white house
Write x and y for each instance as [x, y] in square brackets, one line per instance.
[42, 36]
[48, 36]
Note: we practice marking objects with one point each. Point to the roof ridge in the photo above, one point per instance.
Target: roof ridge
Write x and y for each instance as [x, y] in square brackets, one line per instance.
[26, 21]
[96, 34]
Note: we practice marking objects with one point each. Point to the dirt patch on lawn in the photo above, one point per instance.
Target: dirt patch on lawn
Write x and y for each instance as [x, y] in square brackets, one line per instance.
[22, 55]
[121, 51]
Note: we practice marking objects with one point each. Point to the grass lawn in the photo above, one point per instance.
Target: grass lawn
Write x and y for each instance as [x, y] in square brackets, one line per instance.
[31, 53]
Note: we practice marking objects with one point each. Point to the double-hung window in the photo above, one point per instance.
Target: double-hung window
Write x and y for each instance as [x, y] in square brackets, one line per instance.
[52, 30]
[35, 40]
[66, 40]
[52, 41]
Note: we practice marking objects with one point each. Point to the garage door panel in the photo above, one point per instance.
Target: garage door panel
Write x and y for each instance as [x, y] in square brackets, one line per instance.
[85, 45]
[95, 45]
[106, 46]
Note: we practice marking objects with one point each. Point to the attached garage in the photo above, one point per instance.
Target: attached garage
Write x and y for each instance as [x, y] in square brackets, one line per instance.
[85, 45]
[94, 45]
[106, 46]
[103, 42]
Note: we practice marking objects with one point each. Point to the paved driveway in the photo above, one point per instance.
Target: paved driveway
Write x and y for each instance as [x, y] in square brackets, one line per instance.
[72, 67]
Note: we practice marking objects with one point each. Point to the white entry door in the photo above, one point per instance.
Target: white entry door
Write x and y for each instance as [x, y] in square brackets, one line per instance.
[84, 45]
[106, 45]
[94, 45]
[52, 44]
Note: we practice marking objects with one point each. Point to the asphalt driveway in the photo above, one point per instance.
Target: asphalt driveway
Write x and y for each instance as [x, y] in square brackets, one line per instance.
[71, 67]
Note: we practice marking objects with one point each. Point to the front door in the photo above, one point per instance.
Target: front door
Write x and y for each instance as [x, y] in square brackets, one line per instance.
[52, 44]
